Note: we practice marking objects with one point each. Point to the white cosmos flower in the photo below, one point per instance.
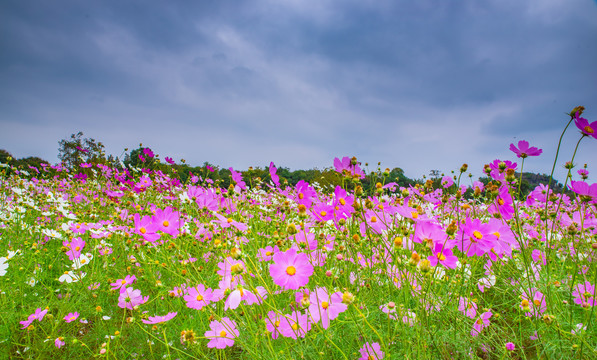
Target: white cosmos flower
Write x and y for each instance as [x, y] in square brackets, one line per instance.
[3, 266]
[83, 260]
[70, 277]
[31, 282]
[52, 233]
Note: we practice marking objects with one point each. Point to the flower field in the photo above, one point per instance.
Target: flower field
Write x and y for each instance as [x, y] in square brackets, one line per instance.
[135, 264]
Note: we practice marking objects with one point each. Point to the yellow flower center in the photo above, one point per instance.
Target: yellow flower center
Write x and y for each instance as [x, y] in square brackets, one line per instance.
[536, 302]
[277, 323]
[294, 326]
[441, 257]
[291, 270]
[229, 220]
[342, 201]
[323, 213]
[415, 214]
[325, 305]
[269, 253]
[501, 202]
[301, 196]
[373, 219]
[477, 235]
[223, 333]
[199, 297]
[589, 130]
[142, 230]
[166, 223]
[78, 248]
[524, 303]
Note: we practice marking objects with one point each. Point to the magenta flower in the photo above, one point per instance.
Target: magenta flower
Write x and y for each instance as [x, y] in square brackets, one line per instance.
[510, 346]
[131, 298]
[228, 222]
[75, 246]
[168, 221]
[146, 228]
[59, 342]
[468, 307]
[346, 166]
[443, 256]
[198, 297]
[295, 324]
[533, 302]
[222, 334]
[447, 181]
[584, 294]
[481, 323]
[159, 319]
[584, 190]
[290, 269]
[586, 128]
[71, 317]
[475, 237]
[371, 352]
[325, 307]
[37, 315]
[273, 175]
[523, 150]
[122, 283]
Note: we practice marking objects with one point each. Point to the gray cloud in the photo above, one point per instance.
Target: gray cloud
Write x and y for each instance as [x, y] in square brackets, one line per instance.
[424, 85]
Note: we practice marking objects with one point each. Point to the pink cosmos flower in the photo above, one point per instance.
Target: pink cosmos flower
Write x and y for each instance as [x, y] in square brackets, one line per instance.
[169, 160]
[533, 302]
[447, 181]
[222, 334]
[474, 237]
[71, 317]
[390, 309]
[239, 294]
[168, 221]
[584, 173]
[290, 269]
[584, 294]
[237, 178]
[59, 342]
[481, 323]
[371, 352]
[266, 253]
[346, 166]
[443, 256]
[274, 324]
[523, 150]
[325, 307]
[159, 319]
[37, 315]
[468, 307]
[146, 228]
[584, 190]
[322, 212]
[273, 175]
[75, 246]
[130, 298]
[198, 297]
[228, 222]
[295, 325]
[122, 283]
[586, 128]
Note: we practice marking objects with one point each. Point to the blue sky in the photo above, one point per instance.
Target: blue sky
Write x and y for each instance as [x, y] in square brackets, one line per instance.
[419, 85]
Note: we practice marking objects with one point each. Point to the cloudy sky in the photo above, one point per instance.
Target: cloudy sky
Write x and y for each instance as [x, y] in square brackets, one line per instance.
[421, 85]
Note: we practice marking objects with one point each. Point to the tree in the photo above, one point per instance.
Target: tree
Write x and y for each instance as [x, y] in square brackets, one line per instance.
[77, 150]
[5, 156]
